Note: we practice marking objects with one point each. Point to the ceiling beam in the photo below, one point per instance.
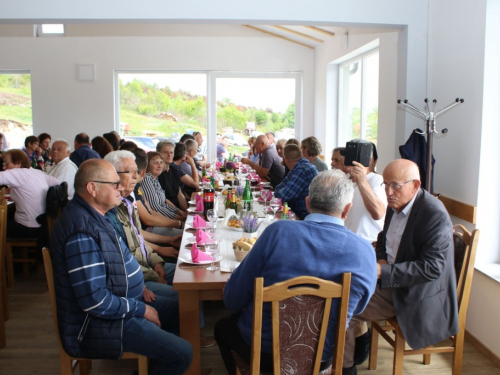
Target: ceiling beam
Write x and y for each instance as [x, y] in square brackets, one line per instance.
[326, 32]
[279, 36]
[302, 35]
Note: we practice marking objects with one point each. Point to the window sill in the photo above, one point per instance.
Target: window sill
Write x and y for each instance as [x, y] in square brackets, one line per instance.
[492, 270]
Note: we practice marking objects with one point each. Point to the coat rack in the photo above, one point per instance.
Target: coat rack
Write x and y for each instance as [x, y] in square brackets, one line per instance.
[430, 129]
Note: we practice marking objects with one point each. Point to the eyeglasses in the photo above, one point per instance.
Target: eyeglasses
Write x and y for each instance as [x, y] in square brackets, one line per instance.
[133, 171]
[157, 162]
[117, 184]
[395, 185]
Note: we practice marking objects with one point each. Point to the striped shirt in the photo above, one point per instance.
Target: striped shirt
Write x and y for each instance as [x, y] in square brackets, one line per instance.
[87, 274]
[155, 196]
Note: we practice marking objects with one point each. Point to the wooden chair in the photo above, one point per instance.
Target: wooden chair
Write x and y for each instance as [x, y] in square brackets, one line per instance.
[303, 299]
[68, 363]
[4, 308]
[465, 255]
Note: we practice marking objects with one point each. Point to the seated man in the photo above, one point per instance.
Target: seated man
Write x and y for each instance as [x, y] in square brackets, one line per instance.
[311, 149]
[64, 169]
[295, 186]
[127, 224]
[338, 155]
[319, 246]
[222, 153]
[82, 150]
[415, 265]
[270, 167]
[103, 306]
[201, 152]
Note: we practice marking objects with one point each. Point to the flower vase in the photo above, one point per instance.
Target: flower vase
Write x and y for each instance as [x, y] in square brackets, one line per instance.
[248, 235]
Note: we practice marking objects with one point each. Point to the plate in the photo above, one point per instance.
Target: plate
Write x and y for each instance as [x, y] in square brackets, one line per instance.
[193, 209]
[192, 202]
[187, 259]
[191, 226]
[192, 240]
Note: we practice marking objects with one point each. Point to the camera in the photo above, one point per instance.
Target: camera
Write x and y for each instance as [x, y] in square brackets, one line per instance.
[360, 152]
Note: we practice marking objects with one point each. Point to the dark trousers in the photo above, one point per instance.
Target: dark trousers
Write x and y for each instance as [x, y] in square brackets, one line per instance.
[16, 230]
[228, 337]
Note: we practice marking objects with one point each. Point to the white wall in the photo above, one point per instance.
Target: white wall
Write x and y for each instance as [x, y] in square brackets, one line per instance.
[465, 64]
[326, 88]
[63, 106]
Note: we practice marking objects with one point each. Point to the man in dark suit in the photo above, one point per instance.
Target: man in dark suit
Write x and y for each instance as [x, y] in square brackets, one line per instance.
[414, 265]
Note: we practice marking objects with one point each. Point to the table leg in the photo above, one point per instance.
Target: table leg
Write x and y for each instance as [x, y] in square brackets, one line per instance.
[189, 313]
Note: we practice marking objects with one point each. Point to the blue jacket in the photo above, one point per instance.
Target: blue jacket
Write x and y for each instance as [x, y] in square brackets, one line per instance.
[83, 153]
[84, 335]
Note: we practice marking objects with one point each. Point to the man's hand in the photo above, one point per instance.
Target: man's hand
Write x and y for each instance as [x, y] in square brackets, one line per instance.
[245, 160]
[180, 215]
[160, 271]
[190, 160]
[152, 315]
[379, 268]
[148, 295]
[175, 241]
[357, 172]
[167, 252]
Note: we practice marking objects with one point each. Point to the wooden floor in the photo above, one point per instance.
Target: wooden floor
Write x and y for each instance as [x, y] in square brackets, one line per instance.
[32, 346]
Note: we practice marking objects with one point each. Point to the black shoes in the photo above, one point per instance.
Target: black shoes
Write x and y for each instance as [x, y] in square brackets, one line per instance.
[362, 348]
[350, 370]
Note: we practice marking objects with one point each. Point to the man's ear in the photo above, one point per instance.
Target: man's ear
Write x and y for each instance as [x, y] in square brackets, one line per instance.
[143, 173]
[347, 208]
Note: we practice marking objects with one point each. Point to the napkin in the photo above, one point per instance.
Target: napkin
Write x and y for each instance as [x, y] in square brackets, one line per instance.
[199, 204]
[198, 222]
[201, 237]
[198, 256]
[268, 198]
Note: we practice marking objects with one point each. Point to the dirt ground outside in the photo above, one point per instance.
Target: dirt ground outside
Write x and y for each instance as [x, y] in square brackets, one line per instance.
[15, 132]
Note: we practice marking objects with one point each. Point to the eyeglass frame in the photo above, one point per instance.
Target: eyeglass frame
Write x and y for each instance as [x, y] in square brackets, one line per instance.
[395, 185]
[136, 171]
[109, 182]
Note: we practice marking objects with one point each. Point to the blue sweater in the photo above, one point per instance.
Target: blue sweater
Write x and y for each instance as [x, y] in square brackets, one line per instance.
[319, 246]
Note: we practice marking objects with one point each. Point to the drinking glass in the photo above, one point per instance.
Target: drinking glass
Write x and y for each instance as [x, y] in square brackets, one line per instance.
[212, 217]
[275, 205]
[265, 194]
[212, 247]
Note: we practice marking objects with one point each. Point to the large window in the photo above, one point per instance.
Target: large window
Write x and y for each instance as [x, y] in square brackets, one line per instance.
[156, 105]
[15, 107]
[358, 98]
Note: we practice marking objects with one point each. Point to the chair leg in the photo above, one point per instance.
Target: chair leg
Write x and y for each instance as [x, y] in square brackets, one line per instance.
[426, 359]
[5, 299]
[66, 364]
[2, 330]
[143, 365]
[26, 269]
[9, 266]
[399, 347]
[84, 365]
[457, 357]
[372, 361]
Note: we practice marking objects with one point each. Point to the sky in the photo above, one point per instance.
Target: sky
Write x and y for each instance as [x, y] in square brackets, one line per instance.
[262, 93]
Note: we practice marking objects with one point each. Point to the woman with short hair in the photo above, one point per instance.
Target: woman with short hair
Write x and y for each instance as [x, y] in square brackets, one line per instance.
[311, 149]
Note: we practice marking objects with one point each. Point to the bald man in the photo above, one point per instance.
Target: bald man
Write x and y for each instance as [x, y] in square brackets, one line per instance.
[270, 168]
[415, 265]
[103, 306]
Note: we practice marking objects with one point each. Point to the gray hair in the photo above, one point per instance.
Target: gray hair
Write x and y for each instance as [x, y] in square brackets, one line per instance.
[161, 144]
[116, 158]
[191, 145]
[358, 140]
[63, 141]
[330, 192]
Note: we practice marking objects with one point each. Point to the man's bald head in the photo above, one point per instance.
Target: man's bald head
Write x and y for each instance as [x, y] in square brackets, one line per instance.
[92, 170]
[402, 182]
[261, 143]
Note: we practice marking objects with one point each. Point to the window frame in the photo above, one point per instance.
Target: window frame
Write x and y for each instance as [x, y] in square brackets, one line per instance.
[39, 31]
[341, 137]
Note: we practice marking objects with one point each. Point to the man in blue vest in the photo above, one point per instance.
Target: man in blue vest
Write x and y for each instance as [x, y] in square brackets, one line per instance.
[103, 306]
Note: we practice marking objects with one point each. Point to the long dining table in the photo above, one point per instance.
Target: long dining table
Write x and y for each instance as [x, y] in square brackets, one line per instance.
[195, 283]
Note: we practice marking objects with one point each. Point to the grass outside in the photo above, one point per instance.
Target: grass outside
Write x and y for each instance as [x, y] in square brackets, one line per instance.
[14, 113]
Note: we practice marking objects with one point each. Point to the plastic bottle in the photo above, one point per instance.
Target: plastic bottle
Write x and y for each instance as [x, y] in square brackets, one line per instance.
[41, 163]
[208, 198]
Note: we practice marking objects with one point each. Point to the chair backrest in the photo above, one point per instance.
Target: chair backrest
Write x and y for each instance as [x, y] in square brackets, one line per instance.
[300, 312]
[49, 274]
[465, 257]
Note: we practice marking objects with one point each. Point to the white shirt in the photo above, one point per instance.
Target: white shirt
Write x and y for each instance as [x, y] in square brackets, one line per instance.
[359, 220]
[65, 170]
[29, 190]
[396, 230]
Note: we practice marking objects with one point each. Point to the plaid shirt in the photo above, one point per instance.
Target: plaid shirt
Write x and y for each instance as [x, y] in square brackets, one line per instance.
[295, 187]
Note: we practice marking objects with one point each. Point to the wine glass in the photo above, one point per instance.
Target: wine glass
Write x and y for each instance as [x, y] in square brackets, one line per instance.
[265, 194]
[275, 205]
[212, 248]
[212, 217]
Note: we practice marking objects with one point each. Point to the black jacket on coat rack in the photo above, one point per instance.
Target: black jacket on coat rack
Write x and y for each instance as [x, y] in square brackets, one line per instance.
[415, 149]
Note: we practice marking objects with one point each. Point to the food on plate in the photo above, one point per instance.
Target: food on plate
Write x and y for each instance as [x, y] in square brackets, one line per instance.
[234, 224]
